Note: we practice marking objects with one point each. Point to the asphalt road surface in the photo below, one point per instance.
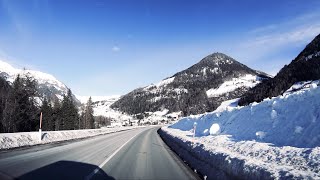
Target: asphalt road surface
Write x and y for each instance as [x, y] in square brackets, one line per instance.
[132, 154]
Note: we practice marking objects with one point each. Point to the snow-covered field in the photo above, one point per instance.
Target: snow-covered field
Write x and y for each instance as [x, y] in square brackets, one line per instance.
[277, 138]
[13, 140]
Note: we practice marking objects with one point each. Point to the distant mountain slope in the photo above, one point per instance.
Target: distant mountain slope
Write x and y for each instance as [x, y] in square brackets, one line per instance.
[198, 89]
[48, 85]
[306, 66]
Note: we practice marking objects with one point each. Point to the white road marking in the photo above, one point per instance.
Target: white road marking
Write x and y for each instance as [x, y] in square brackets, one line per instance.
[108, 159]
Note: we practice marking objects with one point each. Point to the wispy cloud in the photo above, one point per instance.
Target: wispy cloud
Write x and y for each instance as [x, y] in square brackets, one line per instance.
[276, 44]
[300, 29]
[115, 49]
[18, 22]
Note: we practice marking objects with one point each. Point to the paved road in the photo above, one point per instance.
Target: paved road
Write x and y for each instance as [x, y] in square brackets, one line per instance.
[133, 154]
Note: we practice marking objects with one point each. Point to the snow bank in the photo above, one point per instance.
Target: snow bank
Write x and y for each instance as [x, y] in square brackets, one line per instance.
[277, 138]
[289, 120]
[13, 140]
[220, 157]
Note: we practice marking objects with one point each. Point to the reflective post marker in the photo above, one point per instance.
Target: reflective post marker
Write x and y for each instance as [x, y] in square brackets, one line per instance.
[194, 130]
[40, 126]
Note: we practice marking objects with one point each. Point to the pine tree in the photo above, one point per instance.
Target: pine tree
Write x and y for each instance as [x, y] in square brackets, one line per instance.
[29, 110]
[47, 116]
[11, 106]
[56, 115]
[20, 111]
[69, 113]
[82, 123]
[88, 116]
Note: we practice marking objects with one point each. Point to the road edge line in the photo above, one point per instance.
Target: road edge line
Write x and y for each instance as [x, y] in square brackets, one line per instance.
[108, 159]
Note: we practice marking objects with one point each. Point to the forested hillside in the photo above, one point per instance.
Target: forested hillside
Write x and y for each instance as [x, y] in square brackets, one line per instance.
[20, 108]
[306, 66]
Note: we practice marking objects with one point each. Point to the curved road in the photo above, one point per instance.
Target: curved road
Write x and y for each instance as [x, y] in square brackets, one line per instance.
[132, 154]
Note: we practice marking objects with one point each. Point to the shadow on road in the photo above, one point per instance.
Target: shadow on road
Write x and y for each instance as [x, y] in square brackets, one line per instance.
[66, 170]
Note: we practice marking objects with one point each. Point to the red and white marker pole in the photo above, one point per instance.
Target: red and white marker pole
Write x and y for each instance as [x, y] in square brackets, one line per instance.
[40, 131]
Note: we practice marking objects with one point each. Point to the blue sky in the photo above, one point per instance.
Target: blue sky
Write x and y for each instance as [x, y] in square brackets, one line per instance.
[106, 47]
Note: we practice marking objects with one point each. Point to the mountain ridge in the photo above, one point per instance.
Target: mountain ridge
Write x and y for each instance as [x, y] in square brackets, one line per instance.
[48, 86]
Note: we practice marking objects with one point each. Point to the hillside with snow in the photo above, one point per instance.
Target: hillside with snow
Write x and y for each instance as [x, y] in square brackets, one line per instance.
[277, 138]
[198, 89]
[101, 107]
[305, 67]
[48, 85]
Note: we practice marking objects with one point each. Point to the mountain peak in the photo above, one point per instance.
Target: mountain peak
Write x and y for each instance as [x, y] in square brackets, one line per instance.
[217, 57]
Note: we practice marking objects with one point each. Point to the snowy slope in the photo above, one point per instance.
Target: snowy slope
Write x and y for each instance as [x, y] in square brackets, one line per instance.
[280, 136]
[84, 99]
[48, 84]
[101, 107]
[246, 81]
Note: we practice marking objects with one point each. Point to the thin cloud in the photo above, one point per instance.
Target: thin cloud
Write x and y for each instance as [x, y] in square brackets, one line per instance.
[300, 29]
[301, 34]
[115, 49]
[272, 43]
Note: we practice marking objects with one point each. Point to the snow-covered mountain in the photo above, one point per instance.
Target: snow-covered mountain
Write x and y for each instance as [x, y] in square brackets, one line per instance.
[198, 89]
[48, 85]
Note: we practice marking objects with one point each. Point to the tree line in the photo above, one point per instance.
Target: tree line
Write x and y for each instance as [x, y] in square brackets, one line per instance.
[20, 108]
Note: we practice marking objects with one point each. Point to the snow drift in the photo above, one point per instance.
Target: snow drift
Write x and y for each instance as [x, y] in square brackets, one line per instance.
[277, 138]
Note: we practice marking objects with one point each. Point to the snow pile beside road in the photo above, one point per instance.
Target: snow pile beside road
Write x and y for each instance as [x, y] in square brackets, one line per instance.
[13, 140]
[289, 120]
[277, 138]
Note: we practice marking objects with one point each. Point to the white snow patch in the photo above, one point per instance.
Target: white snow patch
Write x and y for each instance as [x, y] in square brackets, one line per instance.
[84, 99]
[260, 134]
[165, 82]
[227, 105]
[247, 81]
[312, 55]
[214, 129]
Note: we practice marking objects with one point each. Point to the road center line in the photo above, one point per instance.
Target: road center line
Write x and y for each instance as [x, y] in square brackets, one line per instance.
[108, 159]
